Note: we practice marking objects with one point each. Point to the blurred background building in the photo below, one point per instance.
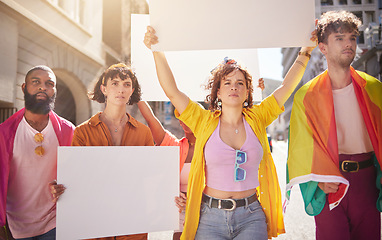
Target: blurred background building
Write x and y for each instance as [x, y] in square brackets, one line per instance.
[78, 39]
[368, 56]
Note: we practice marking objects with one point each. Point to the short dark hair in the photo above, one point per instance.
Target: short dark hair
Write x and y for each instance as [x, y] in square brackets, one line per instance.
[336, 21]
[39, 67]
[218, 74]
[123, 72]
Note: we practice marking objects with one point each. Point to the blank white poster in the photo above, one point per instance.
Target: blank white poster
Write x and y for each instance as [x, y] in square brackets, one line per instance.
[113, 191]
[191, 69]
[226, 24]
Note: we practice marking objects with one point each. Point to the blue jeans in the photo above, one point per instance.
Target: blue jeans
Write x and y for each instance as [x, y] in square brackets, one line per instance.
[243, 223]
[51, 235]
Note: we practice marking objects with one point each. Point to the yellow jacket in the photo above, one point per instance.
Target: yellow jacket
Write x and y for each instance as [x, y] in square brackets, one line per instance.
[203, 122]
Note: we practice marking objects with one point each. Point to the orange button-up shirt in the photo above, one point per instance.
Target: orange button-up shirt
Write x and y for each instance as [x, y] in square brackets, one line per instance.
[94, 132]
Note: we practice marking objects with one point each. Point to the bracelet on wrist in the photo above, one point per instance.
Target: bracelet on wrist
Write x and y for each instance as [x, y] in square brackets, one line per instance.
[304, 54]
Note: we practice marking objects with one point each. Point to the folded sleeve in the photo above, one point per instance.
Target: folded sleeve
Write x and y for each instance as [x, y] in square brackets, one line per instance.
[269, 110]
[193, 116]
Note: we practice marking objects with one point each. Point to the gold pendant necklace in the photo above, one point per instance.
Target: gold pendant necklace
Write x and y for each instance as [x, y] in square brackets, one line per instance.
[120, 122]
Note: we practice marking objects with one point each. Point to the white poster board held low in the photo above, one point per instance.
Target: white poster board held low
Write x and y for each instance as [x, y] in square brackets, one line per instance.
[113, 191]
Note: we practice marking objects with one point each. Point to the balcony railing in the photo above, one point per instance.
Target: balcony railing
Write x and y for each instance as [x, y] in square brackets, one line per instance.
[5, 113]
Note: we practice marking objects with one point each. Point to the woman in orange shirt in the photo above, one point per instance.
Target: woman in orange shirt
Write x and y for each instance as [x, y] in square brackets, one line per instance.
[117, 87]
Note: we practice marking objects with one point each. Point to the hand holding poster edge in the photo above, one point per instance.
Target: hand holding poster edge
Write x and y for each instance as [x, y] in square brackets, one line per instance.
[257, 24]
[191, 81]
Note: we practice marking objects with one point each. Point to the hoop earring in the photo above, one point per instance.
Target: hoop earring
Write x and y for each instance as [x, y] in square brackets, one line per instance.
[219, 105]
[245, 104]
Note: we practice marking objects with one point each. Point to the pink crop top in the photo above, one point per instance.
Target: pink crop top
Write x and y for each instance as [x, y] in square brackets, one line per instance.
[220, 162]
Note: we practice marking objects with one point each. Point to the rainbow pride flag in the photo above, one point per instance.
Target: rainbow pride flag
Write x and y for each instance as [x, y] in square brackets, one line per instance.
[313, 149]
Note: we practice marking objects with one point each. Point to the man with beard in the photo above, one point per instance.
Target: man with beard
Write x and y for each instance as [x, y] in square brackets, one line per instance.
[28, 160]
[335, 145]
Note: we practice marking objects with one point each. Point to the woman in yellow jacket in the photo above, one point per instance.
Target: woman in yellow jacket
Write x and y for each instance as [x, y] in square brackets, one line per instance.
[233, 189]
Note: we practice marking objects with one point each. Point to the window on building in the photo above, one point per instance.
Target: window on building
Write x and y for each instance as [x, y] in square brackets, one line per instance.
[370, 16]
[357, 1]
[361, 38]
[359, 15]
[82, 12]
[61, 4]
[5, 113]
[326, 2]
[343, 2]
[370, 1]
[74, 9]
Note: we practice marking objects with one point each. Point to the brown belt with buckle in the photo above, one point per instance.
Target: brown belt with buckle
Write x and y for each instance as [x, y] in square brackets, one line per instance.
[355, 162]
[228, 204]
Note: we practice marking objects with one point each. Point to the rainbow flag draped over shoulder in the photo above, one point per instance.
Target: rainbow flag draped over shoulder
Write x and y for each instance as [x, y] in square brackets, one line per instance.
[313, 149]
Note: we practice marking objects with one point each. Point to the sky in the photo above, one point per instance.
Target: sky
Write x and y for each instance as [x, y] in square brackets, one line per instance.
[270, 63]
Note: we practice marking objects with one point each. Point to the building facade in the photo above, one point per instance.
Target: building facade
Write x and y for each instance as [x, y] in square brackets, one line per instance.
[78, 39]
[368, 54]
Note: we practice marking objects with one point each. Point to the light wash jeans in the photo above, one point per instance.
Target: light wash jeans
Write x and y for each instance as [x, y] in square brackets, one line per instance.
[51, 235]
[243, 223]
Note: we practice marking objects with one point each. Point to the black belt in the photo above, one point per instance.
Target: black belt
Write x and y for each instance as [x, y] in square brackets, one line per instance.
[354, 166]
[228, 204]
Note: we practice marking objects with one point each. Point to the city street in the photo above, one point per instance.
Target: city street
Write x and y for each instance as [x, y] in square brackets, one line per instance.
[298, 224]
[82, 50]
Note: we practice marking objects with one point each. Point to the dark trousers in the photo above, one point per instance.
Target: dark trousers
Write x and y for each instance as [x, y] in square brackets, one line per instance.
[356, 217]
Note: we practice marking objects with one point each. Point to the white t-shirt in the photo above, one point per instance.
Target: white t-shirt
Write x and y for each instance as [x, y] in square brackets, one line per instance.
[30, 210]
[352, 134]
